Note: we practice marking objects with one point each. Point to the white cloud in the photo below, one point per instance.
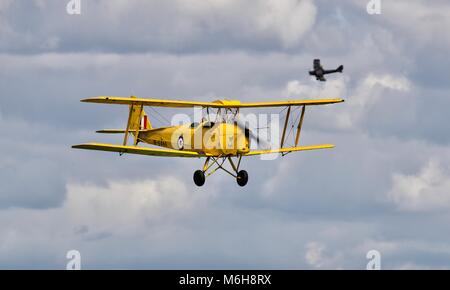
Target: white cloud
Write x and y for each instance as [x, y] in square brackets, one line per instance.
[286, 20]
[359, 99]
[331, 89]
[387, 81]
[271, 184]
[289, 19]
[141, 212]
[127, 205]
[370, 92]
[314, 254]
[176, 25]
[420, 20]
[318, 256]
[428, 190]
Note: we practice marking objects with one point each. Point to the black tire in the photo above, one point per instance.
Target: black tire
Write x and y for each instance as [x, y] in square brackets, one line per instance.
[242, 178]
[199, 178]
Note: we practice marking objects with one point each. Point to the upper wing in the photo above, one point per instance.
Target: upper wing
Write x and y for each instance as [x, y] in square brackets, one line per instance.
[291, 103]
[215, 104]
[138, 150]
[147, 102]
[292, 149]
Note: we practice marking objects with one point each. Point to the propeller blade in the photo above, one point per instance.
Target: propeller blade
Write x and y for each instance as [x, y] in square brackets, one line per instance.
[263, 143]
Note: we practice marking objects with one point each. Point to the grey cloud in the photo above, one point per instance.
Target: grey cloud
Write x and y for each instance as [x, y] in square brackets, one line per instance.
[139, 26]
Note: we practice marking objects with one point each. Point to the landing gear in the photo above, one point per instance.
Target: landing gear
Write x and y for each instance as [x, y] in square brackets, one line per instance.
[218, 162]
[199, 178]
[242, 178]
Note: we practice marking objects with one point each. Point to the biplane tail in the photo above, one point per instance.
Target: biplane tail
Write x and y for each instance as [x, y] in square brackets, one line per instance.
[137, 121]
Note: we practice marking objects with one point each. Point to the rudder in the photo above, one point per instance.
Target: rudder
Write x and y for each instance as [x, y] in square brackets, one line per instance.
[138, 119]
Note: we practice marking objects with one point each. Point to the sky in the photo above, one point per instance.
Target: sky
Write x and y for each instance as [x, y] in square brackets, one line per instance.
[385, 187]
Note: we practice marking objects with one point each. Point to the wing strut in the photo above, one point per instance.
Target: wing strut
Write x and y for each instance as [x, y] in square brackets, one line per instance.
[136, 136]
[299, 127]
[285, 126]
[125, 139]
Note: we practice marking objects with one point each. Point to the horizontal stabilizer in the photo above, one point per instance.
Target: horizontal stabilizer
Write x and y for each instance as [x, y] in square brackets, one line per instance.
[117, 131]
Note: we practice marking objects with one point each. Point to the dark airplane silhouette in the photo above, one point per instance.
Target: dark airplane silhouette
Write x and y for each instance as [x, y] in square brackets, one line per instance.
[319, 72]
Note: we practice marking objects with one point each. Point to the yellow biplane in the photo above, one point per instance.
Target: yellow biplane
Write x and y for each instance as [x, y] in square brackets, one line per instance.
[217, 140]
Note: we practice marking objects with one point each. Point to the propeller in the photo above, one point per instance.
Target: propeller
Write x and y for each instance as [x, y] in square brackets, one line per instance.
[263, 144]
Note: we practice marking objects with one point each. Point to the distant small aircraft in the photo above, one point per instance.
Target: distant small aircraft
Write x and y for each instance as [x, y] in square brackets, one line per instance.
[319, 72]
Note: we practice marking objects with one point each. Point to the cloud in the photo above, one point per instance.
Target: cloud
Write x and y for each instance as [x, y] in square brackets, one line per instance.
[426, 19]
[156, 221]
[360, 99]
[128, 205]
[37, 180]
[388, 81]
[290, 20]
[428, 190]
[93, 214]
[199, 26]
[4, 4]
[317, 256]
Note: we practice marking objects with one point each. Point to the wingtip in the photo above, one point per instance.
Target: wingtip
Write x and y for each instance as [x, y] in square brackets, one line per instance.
[76, 146]
[96, 99]
[82, 146]
[327, 146]
[88, 100]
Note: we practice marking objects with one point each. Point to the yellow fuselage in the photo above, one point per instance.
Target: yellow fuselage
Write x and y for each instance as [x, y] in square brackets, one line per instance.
[216, 139]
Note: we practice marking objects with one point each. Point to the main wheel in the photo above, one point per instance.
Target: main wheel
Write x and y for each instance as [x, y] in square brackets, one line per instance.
[199, 178]
[180, 143]
[242, 178]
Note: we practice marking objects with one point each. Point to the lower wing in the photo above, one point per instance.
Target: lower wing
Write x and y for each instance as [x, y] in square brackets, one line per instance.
[291, 149]
[138, 150]
[191, 154]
